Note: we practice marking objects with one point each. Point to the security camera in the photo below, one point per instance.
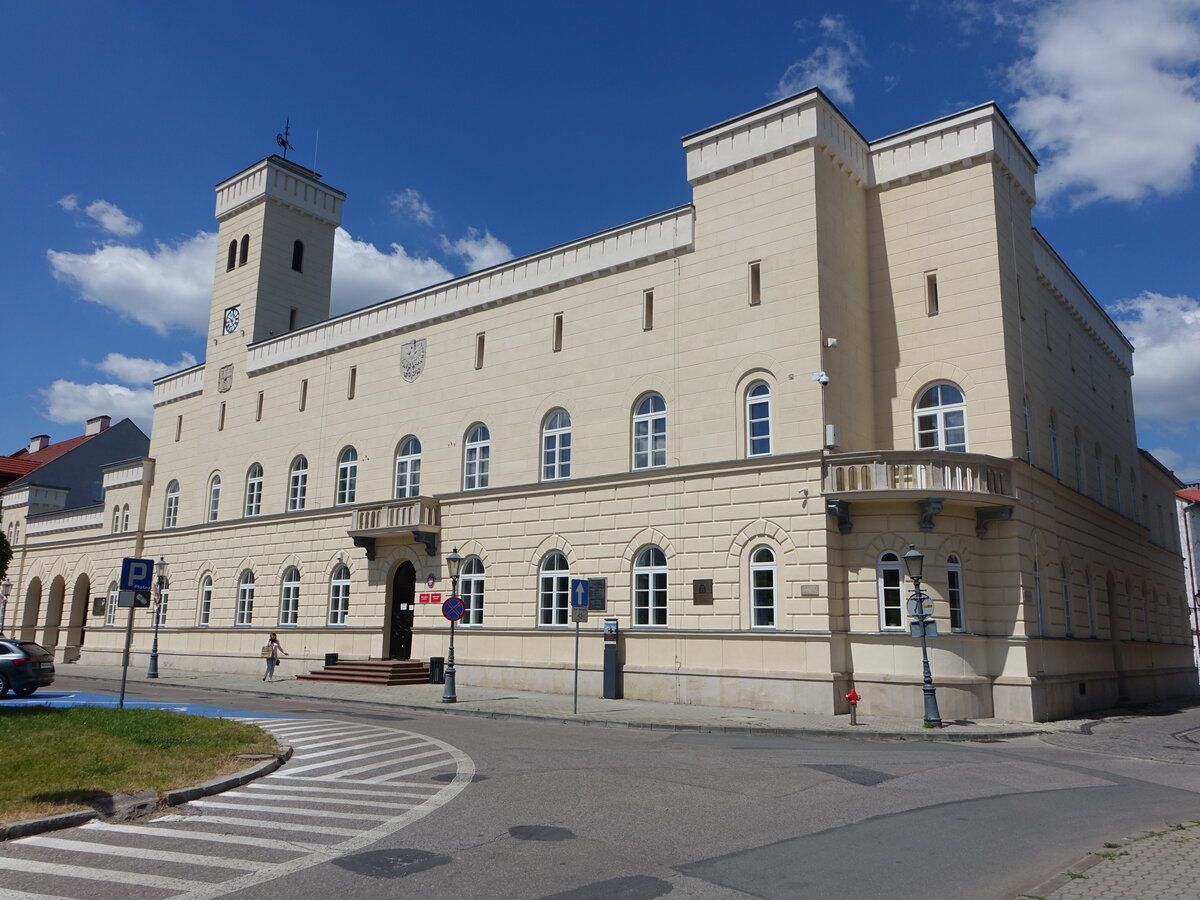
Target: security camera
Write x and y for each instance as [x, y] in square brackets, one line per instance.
[820, 378]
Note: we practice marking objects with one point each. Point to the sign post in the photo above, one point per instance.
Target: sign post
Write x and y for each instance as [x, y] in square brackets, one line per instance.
[580, 591]
[134, 592]
[453, 609]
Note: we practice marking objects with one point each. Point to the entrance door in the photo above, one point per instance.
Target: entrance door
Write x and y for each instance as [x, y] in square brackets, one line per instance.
[404, 586]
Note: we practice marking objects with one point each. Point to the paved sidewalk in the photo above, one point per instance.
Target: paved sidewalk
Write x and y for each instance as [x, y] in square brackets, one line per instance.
[499, 703]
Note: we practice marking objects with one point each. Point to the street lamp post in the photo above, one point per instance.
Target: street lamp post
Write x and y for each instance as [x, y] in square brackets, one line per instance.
[453, 561]
[914, 561]
[161, 573]
[5, 589]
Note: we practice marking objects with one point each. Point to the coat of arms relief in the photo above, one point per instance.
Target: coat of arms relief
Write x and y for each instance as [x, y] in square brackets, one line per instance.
[412, 359]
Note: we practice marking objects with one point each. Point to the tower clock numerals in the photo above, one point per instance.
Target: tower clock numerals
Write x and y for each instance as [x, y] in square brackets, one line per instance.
[233, 317]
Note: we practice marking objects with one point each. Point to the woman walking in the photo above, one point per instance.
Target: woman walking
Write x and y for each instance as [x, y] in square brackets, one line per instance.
[271, 650]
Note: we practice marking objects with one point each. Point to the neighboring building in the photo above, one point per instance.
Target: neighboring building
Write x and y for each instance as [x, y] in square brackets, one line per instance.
[740, 412]
[1188, 511]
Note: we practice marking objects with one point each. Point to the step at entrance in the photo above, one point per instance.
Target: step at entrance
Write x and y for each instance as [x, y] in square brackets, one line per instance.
[372, 671]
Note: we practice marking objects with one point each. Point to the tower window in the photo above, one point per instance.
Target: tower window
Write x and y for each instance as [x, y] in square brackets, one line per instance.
[245, 252]
[479, 350]
[232, 260]
[352, 383]
[931, 294]
[647, 310]
[298, 256]
[221, 418]
[292, 319]
[558, 328]
[755, 283]
[303, 393]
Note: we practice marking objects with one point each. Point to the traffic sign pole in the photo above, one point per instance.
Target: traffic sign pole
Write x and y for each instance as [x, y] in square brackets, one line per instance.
[575, 702]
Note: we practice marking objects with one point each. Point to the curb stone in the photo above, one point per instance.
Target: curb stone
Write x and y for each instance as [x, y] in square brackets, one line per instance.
[124, 807]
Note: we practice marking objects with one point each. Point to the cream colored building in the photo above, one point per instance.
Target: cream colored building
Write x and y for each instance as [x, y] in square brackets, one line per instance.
[840, 348]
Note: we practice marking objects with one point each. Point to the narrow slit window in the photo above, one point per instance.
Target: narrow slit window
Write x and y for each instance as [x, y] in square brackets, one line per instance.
[258, 408]
[352, 383]
[298, 256]
[244, 255]
[221, 418]
[479, 350]
[931, 294]
[303, 394]
[178, 428]
[292, 319]
[232, 260]
[647, 310]
[755, 283]
[558, 328]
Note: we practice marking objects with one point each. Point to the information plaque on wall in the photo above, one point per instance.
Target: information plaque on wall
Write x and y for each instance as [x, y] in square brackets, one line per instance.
[702, 591]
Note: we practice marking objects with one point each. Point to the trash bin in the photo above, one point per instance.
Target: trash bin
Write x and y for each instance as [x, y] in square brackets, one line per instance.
[437, 670]
[330, 659]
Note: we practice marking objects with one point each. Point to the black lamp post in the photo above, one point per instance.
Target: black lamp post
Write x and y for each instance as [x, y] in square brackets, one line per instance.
[453, 561]
[914, 561]
[5, 589]
[161, 574]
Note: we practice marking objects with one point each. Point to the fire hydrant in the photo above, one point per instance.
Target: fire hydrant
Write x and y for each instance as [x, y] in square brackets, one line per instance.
[852, 698]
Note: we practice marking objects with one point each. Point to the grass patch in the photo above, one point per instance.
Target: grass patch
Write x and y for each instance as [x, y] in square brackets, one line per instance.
[55, 760]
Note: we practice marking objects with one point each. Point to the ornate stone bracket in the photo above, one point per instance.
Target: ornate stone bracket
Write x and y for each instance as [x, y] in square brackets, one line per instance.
[841, 510]
[429, 539]
[928, 508]
[986, 515]
[367, 543]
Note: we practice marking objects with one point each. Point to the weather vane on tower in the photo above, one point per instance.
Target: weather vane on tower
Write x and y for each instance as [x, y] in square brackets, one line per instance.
[282, 139]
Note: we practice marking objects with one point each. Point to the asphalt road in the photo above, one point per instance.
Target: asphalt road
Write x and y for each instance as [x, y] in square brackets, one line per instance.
[560, 811]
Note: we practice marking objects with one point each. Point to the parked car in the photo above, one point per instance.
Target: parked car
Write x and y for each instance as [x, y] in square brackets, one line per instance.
[24, 667]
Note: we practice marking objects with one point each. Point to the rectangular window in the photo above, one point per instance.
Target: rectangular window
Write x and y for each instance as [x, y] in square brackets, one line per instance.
[258, 408]
[647, 310]
[289, 603]
[110, 610]
[292, 319]
[479, 350]
[931, 294]
[557, 340]
[755, 283]
[178, 428]
[954, 597]
[221, 418]
[303, 394]
[352, 383]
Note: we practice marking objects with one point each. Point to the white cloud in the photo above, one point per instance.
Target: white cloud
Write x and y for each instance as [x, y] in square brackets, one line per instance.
[1167, 368]
[110, 217]
[132, 370]
[163, 288]
[69, 203]
[1110, 97]
[830, 65]
[410, 203]
[68, 401]
[479, 251]
[363, 274]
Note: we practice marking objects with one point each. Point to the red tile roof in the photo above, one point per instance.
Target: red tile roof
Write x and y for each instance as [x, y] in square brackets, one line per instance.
[1192, 494]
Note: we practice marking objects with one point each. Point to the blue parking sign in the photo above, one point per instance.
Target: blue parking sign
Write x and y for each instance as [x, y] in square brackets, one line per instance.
[136, 574]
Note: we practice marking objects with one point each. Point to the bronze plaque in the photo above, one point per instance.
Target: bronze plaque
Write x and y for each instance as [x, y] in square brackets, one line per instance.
[702, 591]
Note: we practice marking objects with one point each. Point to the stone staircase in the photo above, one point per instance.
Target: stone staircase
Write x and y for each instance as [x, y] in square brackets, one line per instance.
[372, 671]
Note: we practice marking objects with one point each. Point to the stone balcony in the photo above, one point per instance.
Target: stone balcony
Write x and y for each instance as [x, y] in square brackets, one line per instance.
[415, 518]
[931, 478]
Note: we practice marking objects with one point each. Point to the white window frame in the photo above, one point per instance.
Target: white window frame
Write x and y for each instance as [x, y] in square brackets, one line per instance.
[125, 518]
[554, 590]
[955, 593]
[254, 486]
[245, 602]
[339, 595]
[471, 589]
[110, 609]
[889, 580]
[408, 468]
[158, 614]
[758, 413]
[556, 446]
[347, 477]
[204, 614]
[116, 519]
[936, 423]
[650, 583]
[214, 498]
[763, 594]
[649, 432]
[289, 598]
[298, 484]
[477, 455]
[171, 507]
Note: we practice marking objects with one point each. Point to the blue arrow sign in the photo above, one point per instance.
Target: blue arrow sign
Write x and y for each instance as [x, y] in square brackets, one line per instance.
[136, 574]
[579, 592]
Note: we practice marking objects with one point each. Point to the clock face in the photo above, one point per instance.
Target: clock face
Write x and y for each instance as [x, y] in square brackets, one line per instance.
[233, 316]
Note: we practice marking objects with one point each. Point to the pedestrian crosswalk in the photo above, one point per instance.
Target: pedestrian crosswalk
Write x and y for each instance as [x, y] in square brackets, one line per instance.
[345, 787]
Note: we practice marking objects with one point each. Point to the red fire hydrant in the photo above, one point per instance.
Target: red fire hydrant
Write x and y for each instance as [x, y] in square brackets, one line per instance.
[852, 698]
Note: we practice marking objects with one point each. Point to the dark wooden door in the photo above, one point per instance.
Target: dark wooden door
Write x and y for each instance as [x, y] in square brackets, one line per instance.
[404, 585]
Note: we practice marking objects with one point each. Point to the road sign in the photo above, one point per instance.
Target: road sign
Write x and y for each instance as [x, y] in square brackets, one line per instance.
[579, 613]
[136, 574]
[929, 625]
[137, 599]
[579, 592]
[921, 604]
[453, 608]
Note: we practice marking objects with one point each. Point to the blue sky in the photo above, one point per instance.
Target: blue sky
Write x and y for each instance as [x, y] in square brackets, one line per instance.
[465, 133]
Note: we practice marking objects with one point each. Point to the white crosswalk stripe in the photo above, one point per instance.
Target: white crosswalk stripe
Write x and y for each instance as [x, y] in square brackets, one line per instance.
[346, 787]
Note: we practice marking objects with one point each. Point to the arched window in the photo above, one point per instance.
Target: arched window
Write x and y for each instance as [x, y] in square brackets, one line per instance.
[758, 419]
[408, 469]
[1080, 483]
[556, 446]
[125, 517]
[1037, 597]
[289, 597]
[206, 592]
[890, 581]
[471, 590]
[171, 509]
[1053, 429]
[554, 584]
[476, 458]
[941, 419]
[245, 251]
[158, 615]
[245, 601]
[254, 484]
[298, 256]
[762, 588]
[297, 483]
[954, 593]
[116, 522]
[347, 476]
[1117, 484]
[214, 498]
[232, 260]
[650, 432]
[1093, 626]
[1068, 625]
[1099, 473]
[650, 587]
[110, 609]
[339, 596]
